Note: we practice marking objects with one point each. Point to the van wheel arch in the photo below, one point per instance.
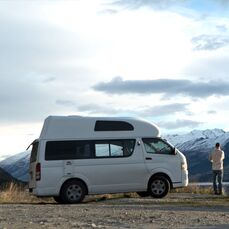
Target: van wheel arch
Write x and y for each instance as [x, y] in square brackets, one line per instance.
[164, 180]
[73, 191]
[75, 179]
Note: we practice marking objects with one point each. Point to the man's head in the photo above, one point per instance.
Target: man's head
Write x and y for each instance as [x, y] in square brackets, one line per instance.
[217, 145]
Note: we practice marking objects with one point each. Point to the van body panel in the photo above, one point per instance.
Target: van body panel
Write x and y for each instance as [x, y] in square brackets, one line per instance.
[160, 163]
[60, 127]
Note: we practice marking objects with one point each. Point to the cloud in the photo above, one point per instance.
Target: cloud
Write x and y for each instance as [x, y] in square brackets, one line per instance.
[165, 110]
[167, 87]
[222, 2]
[222, 28]
[66, 103]
[180, 123]
[24, 100]
[31, 44]
[153, 111]
[164, 4]
[212, 112]
[210, 42]
[159, 5]
[98, 109]
[90, 108]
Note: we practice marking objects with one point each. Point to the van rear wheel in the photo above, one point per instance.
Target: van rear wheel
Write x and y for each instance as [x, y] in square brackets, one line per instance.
[73, 192]
[159, 186]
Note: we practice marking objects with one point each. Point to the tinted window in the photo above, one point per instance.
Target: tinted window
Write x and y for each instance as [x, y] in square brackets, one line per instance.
[113, 126]
[64, 150]
[114, 148]
[158, 146]
[33, 156]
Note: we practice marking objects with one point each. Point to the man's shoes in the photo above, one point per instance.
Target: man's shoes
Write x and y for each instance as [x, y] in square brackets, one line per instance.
[218, 193]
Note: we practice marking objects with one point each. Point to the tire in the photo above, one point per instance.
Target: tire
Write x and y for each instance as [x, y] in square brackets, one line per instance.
[159, 187]
[58, 199]
[73, 192]
[143, 194]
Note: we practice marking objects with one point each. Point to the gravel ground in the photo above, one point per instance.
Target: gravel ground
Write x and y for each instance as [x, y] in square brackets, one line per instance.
[174, 211]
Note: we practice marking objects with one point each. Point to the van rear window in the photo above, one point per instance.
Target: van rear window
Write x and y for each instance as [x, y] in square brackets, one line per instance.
[113, 126]
[33, 156]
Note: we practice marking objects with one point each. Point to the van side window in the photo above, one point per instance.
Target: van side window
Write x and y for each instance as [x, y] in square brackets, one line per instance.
[113, 126]
[114, 148]
[64, 150]
[157, 146]
[102, 149]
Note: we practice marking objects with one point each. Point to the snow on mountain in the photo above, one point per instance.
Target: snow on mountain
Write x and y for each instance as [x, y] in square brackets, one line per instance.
[17, 165]
[203, 140]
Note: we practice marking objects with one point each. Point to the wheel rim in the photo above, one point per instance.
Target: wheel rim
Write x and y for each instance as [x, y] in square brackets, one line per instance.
[74, 192]
[158, 187]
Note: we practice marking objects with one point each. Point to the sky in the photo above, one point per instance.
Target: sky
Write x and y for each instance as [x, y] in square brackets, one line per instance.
[166, 61]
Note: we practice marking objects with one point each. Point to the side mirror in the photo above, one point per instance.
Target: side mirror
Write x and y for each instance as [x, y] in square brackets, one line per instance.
[174, 151]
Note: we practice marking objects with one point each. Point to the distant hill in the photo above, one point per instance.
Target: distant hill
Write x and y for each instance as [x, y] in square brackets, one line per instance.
[17, 165]
[6, 178]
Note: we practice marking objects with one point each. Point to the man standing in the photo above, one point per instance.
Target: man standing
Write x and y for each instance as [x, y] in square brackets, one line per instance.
[217, 157]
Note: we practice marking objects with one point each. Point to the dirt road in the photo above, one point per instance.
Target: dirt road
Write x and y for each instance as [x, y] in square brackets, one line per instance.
[174, 211]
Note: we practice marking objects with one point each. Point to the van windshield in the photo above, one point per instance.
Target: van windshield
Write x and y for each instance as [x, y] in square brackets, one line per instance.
[33, 156]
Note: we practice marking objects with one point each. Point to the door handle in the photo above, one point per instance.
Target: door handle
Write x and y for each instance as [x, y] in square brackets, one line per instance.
[148, 158]
[68, 163]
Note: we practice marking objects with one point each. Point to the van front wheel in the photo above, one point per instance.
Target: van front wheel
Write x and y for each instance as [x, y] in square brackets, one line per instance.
[73, 192]
[159, 187]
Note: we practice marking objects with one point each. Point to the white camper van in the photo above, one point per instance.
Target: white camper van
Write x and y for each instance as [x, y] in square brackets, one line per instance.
[77, 156]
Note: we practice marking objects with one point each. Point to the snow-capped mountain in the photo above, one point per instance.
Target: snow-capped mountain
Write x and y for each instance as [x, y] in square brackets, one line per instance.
[186, 141]
[196, 146]
[17, 165]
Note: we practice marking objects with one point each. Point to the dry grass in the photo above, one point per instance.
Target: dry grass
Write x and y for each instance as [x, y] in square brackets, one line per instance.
[194, 189]
[14, 193]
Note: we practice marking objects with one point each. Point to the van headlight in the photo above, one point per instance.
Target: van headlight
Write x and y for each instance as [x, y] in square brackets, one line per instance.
[184, 166]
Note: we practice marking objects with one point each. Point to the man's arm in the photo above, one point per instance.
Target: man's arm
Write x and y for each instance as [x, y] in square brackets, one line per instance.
[210, 157]
[223, 155]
